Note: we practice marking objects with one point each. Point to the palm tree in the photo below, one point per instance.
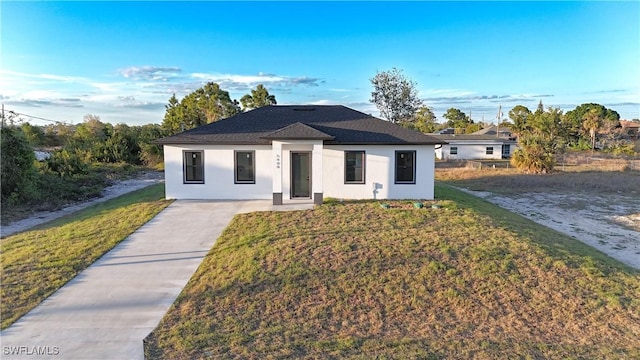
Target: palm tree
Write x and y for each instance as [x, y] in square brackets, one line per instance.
[535, 154]
[592, 121]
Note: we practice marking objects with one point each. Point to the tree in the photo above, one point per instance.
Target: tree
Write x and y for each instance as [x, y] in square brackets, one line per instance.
[592, 121]
[394, 95]
[92, 129]
[173, 121]
[534, 154]
[122, 146]
[519, 115]
[424, 121]
[150, 154]
[214, 102]
[574, 119]
[258, 98]
[457, 119]
[538, 147]
[205, 105]
[34, 134]
[16, 162]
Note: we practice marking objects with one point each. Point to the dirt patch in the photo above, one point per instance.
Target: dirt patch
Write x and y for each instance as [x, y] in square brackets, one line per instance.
[118, 188]
[609, 223]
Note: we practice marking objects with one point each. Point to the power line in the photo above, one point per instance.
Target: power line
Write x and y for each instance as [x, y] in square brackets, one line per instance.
[35, 117]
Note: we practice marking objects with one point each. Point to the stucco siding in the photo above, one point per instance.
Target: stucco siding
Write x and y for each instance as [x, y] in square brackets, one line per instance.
[218, 173]
[379, 173]
[272, 172]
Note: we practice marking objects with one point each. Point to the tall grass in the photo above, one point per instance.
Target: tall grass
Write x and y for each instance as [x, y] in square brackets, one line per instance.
[353, 280]
[37, 262]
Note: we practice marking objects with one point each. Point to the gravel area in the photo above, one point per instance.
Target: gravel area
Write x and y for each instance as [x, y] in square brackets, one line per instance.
[609, 223]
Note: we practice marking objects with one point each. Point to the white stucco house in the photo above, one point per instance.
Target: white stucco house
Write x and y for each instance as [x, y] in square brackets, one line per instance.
[475, 147]
[299, 153]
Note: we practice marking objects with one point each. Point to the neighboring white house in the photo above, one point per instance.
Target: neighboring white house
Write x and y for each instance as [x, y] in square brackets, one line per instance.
[475, 147]
[300, 154]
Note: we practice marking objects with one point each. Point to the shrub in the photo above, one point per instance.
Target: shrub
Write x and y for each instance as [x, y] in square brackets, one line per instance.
[534, 155]
[17, 163]
[66, 163]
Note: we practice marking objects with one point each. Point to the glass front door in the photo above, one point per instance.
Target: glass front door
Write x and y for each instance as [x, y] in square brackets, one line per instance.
[301, 175]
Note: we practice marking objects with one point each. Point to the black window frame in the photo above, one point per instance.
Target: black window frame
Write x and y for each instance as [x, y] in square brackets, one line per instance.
[453, 150]
[489, 150]
[413, 166]
[507, 153]
[235, 166]
[363, 167]
[185, 166]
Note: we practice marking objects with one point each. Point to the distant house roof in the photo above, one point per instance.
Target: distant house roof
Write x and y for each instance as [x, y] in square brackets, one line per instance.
[334, 124]
[451, 138]
[629, 124]
[493, 130]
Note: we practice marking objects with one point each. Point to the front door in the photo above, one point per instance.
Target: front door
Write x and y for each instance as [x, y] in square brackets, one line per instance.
[301, 175]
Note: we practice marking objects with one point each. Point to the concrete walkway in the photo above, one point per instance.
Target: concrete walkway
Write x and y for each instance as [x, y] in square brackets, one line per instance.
[107, 310]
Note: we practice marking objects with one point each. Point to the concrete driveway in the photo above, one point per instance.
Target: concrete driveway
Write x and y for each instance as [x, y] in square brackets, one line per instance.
[107, 310]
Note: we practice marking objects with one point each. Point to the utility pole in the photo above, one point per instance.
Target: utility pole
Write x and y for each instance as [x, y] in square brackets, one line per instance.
[498, 117]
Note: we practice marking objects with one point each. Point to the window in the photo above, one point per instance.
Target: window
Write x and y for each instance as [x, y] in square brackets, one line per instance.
[193, 167]
[405, 167]
[453, 150]
[489, 150]
[506, 151]
[354, 167]
[245, 173]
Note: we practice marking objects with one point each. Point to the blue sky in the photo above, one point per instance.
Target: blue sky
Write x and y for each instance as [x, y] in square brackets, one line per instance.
[122, 61]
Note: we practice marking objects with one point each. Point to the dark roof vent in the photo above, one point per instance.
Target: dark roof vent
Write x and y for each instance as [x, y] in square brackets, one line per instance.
[304, 109]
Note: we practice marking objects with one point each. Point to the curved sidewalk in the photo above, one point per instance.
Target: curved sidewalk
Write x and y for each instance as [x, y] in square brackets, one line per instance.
[108, 309]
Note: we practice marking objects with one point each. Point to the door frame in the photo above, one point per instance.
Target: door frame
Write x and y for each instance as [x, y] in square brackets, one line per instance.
[291, 175]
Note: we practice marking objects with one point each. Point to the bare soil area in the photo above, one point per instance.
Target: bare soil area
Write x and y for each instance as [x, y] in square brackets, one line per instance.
[609, 223]
[119, 188]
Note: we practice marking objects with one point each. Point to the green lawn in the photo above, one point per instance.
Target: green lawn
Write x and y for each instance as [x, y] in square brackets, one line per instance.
[37, 262]
[353, 280]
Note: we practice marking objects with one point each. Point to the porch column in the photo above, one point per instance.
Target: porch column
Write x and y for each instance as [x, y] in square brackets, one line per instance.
[316, 172]
[276, 147]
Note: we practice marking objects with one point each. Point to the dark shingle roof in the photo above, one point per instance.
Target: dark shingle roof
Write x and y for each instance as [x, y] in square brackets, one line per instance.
[298, 131]
[335, 124]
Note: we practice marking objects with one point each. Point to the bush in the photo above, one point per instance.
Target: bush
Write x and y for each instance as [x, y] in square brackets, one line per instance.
[622, 149]
[17, 163]
[66, 163]
[534, 155]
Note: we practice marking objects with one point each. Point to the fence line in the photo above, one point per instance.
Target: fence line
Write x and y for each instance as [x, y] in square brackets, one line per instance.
[564, 163]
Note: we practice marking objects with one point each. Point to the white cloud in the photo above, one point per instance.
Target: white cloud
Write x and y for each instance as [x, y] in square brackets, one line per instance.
[239, 79]
[155, 73]
[59, 78]
[245, 82]
[323, 102]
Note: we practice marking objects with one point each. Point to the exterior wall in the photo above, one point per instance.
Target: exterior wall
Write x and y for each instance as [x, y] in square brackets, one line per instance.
[272, 172]
[218, 173]
[379, 173]
[472, 151]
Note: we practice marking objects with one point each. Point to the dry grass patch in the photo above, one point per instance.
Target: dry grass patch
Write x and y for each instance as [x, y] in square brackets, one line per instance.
[37, 262]
[513, 181]
[353, 280]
